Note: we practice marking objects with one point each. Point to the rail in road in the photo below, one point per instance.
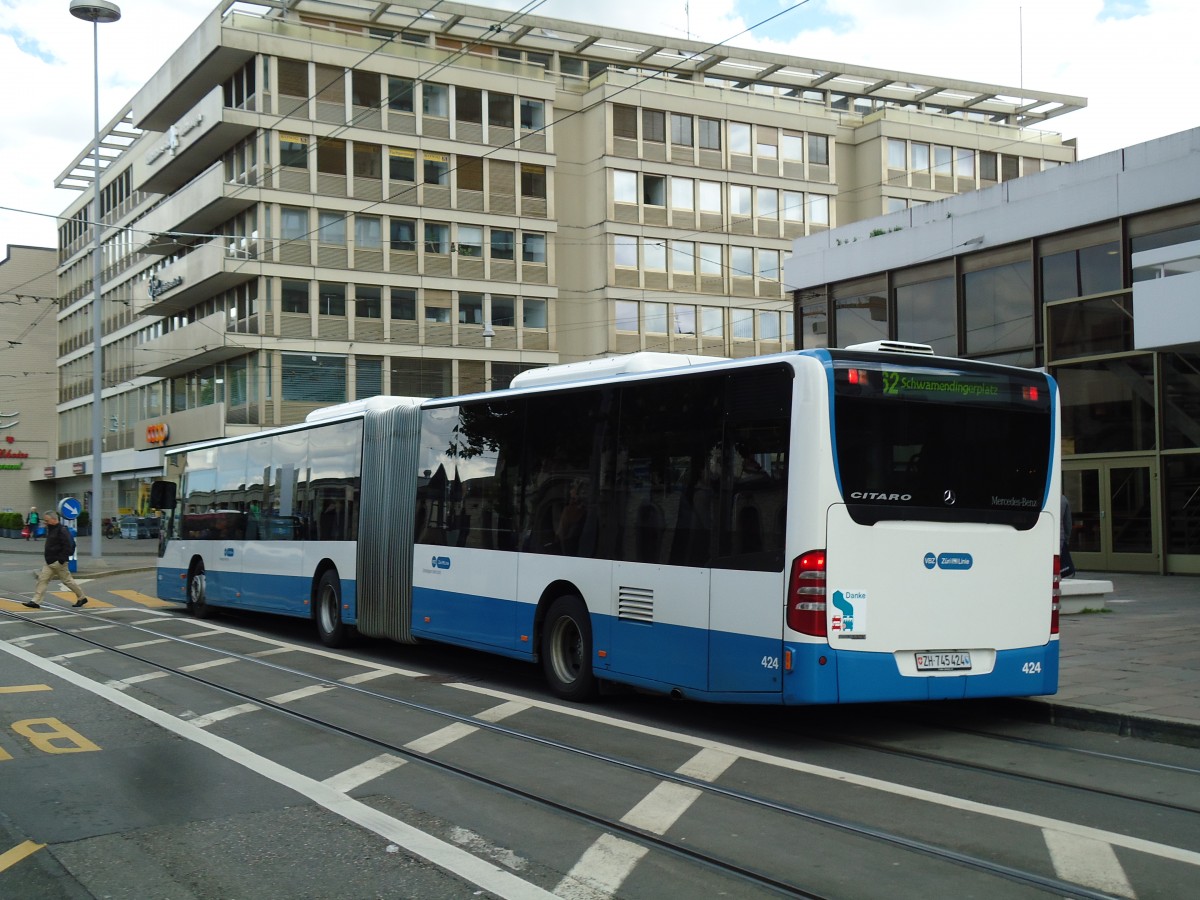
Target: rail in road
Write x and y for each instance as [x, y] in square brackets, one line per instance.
[613, 806]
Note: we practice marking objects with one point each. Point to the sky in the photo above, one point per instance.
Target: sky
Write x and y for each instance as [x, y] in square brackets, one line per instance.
[1134, 60]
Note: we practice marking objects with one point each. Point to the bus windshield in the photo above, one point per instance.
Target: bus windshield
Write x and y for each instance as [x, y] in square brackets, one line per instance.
[963, 444]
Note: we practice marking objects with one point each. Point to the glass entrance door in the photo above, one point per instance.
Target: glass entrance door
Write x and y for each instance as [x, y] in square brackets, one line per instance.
[1114, 504]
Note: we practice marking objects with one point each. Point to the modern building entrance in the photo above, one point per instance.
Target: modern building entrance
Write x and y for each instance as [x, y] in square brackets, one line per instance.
[1114, 504]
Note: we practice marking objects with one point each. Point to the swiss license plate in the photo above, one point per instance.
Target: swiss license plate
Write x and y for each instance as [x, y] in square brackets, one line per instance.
[943, 661]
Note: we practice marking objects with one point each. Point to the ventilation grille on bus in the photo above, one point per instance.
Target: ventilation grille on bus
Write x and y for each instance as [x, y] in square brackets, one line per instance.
[893, 347]
[636, 604]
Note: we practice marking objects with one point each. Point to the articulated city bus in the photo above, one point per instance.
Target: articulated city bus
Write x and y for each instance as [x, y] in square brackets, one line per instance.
[824, 526]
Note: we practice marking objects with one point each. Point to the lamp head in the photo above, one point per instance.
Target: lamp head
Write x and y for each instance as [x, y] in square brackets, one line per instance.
[96, 11]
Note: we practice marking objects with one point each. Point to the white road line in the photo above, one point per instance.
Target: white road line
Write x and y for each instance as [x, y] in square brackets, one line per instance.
[359, 775]
[453, 859]
[93, 628]
[662, 807]
[601, 870]
[274, 651]
[436, 740]
[222, 714]
[78, 653]
[199, 634]
[35, 637]
[1088, 862]
[503, 711]
[122, 683]
[364, 677]
[1153, 848]
[211, 664]
[707, 765]
[137, 644]
[300, 693]
[157, 620]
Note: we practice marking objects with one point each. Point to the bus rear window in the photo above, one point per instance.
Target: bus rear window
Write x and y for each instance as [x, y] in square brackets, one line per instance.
[970, 444]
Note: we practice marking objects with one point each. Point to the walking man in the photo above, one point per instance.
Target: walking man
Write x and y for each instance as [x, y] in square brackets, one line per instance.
[57, 551]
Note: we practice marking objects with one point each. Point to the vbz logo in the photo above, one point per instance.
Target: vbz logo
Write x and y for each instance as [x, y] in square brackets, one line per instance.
[441, 562]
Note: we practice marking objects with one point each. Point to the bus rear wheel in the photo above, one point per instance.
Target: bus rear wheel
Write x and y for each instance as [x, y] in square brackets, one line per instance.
[197, 597]
[332, 630]
[566, 649]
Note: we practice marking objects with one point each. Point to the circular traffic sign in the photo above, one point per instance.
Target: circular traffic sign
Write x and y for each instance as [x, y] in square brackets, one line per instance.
[69, 508]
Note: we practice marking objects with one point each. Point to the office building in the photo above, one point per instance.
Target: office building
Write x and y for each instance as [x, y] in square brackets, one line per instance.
[328, 201]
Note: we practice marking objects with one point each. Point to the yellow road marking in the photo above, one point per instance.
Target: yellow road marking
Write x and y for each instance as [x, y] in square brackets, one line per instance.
[11, 857]
[143, 599]
[24, 688]
[70, 597]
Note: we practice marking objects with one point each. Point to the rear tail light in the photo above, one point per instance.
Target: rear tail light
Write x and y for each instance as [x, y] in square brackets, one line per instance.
[1056, 595]
[806, 594]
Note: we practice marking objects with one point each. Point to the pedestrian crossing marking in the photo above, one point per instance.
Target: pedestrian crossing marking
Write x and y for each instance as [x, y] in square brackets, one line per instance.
[69, 597]
[142, 599]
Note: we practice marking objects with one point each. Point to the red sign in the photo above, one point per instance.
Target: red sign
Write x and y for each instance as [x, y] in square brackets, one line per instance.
[157, 434]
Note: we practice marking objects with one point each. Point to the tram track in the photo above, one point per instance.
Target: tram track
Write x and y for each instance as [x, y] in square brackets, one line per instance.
[748, 875]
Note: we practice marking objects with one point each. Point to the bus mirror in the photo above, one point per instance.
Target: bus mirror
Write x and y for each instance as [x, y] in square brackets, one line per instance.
[162, 495]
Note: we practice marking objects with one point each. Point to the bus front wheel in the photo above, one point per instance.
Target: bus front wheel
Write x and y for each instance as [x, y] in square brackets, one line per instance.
[566, 649]
[197, 598]
[332, 630]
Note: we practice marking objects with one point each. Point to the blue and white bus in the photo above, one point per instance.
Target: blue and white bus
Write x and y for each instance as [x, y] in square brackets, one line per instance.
[824, 526]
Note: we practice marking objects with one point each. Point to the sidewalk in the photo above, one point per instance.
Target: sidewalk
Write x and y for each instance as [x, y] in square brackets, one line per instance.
[1133, 670]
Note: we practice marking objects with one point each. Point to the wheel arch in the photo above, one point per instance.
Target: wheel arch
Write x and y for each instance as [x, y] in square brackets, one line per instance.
[555, 589]
[325, 565]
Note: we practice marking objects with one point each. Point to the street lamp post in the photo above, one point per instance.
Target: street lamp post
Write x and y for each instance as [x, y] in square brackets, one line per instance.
[97, 12]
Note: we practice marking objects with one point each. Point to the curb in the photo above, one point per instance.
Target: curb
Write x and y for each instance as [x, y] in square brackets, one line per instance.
[1086, 718]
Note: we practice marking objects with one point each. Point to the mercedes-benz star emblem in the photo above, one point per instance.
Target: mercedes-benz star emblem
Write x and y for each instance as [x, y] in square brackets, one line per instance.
[948, 497]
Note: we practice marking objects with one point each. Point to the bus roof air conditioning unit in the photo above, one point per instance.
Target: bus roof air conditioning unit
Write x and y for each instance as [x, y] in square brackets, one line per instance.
[894, 347]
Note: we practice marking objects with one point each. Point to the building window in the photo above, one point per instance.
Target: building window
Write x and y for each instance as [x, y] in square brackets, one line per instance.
[681, 130]
[367, 233]
[942, 157]
[403, 305]
[710, 134]
[683, 257]
[964, 162]
[625, 251]
[437, 238]
[500, 110]
[766, 142]
[818, 149]
[818, 209]
[897, 154]
[533, 181]
[436, 168]
[740, 200]
[742, 324]
[920, 158]
[655, 317]
[739, 138]
[400, 94]
[654, 255]
[654, 190]
[1107, 406]
[683, 319]
[331, 156]
[402, 164]
[293, 223]
[403, 235]
[768, 203]
[469, 173]
[533, 114]
[792, 146]
[625, 121]
[533, 313]
[293, 151]
[331, 228]
[533, 248]
[368, 160]
[368, 377]
[331, 299]
[624, 186]
[294, 297]
[860, 311]
[710, 196]
[768, 325]
[504, 311]
[435, 100]
[793, 206]
[998, 306]
[468, 105]
[741, 262]
[503, 244]
[653, 126]
[368, 301]
[925, 314]
[313, 379]
[470, 309]
[627, 315]
[683, 193]
[768, 264]
[470, 241]
[710, 259]
[1079, 273]
[988, 166]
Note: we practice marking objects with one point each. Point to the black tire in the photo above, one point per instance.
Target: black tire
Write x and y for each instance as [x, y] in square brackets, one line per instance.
[197, 595]
[328, 612]
[566, 650]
